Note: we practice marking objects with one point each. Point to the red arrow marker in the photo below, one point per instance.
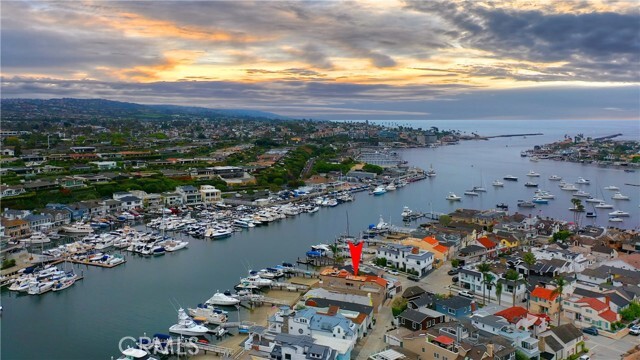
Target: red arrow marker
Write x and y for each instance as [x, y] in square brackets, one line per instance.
[356, 251]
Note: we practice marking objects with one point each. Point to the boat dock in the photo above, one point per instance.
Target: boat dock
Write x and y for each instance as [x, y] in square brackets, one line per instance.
[91, 263]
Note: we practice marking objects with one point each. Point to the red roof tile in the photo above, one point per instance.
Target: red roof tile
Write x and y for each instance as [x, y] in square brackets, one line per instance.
[513, 314]
[544, 293]
[595, 304]
[441, 249]
[484, 241]
[431, 240]
[610, 316]
[444, 340]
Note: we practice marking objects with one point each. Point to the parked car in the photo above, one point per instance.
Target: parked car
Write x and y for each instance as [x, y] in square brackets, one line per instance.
[413, 278]
[467, 294]
[590, 330]
[393, 272]
[584, 357]
[634, 330]
[453, 272]
[454, 279]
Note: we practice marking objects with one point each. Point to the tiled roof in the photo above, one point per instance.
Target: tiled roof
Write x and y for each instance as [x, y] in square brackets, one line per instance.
[484, 241]
[610, 316]
[544, 293]
[431, 240]
[513, 314]
[595, 304]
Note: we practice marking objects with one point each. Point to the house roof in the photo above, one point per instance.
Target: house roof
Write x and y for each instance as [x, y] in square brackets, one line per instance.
[441, 249]
[442, 339]
[552, 343]
[610, 316]
[414, 315]
[484, 241]
[320, 302]
[422, 300]
[471, 249]
[593, 303]
[431, 240]
[413, 291]
[454, 302]
[567, 333]
[544, 293]
[513, 314]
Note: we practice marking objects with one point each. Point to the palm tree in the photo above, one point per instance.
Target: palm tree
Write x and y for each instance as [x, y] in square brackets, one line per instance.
[514, 277]
[484, 268]
[560, 283]
[529, 259]
[488, 280]
[578, 209]
[499, 291]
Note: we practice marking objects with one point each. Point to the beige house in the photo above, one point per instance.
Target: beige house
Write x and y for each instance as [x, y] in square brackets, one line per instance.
[343, 281]
[210, 195]
[544, 301]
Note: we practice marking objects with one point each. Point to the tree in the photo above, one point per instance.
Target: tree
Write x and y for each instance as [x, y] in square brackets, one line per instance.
[484, 268]
[514, 277]
[488, 280]
[455, 263]
[529, 259]
[398, 305]
[560, 283]
[499, 291]
[578, 209]
[444, 220]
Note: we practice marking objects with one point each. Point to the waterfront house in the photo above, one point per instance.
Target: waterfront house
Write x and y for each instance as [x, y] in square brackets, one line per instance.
[190, 195]
[287, 346]
[39, 222]
[58, 217]
[472, 254]
[419, 320]
[343, 281]
[455, 306]
[359, 314]
[561, 342]
[587, 311]
[130, 202]
[13, 190]
[76, 212]
[12, 214]
[16, 228]
[407, 258]
[440, 252]
[544, 301]
[210, 195]
[94, 207]
[171, 199]
[112, 206]
[149, 201]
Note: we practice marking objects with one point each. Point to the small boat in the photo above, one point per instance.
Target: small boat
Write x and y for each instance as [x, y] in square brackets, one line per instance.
[530, 184]
[471, 193]
[497, 183]
[619, 196]
[502, 206]
[135, 354]
[175, 245]
[604, 205]
[534, 159]
[526, 204]
[616, 219]
[61, 285]
[78, 228]
[36, 238]
[533, 173]
[538, 200]
[629, 170]
[581, 193]
[210, 314]
[593, 200]
[186, 325]
[555, 178]
[545, 195]
[453, 197]
[390, 187]
[39, 287]
[314, 210]
[510, 178]
[618, 213]
[569, 187]
[591, 214]
[379, 190]
[243, 223]
[479, 189]
[583, 181]
[406, 212]
[223, 300]
[431, 172]
[612, 187]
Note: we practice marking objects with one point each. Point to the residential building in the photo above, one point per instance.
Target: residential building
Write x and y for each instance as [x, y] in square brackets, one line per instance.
[172, 199]
[13, 190]
[544, 301]
[455, 306]
[472, 254]
[58, 217]
[561, 342]
[496, 325]
[419, 320]
[586, 312]
[407, 258]
[288, 346]
[130, 202]
[361, 315]
[441, 253]
[521, 318]
[112, 205]
[345, 282]
[38, 222]
[210, 195]
[190, 195]
[105, 165]
[16, 228]
[69, 182]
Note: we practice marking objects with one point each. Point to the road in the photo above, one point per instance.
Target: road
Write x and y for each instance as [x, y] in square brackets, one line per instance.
[603, 348]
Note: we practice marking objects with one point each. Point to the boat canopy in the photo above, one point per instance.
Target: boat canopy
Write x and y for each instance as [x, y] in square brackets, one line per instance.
[162, 336]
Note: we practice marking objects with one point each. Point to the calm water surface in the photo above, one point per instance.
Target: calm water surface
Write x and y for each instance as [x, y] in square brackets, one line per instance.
[87, 320]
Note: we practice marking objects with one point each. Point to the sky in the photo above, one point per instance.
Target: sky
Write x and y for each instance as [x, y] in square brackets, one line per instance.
[368, 59]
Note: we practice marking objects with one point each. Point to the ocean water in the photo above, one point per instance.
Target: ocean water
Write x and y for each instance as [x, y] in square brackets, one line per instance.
[87, 320]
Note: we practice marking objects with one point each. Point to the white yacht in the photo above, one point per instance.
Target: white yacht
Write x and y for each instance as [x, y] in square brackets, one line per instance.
[223, 300]
[209, 313]
[603, 205]
[555, 178]
[243, 223]
[569, 187]
[471, 193]
[533, 173]
[253, 280]
[135, 354]
[583, 181]
[612, 188]
[431, 172]
[39, 287]
[186, 325]
[619, 196]
[406, 212]
[581, 193]
[174, 245]
[619, 213]
[390, 187]
[36, 238]
[479, 189]
[497, 183]
[616, 219]
[78, 228]
[379, 190]
[453, 197]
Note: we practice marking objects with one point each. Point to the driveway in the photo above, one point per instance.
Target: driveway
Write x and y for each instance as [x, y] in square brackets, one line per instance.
[603, 348]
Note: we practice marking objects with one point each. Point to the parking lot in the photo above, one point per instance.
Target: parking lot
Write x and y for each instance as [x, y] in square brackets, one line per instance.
[603, 348]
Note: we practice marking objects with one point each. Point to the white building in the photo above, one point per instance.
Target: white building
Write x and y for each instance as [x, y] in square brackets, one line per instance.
[473, 280]
[209, 194]
[405, 257]
[105, 165]
[190, 195]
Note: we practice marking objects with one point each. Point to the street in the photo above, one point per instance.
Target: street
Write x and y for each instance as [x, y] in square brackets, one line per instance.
[603, 348]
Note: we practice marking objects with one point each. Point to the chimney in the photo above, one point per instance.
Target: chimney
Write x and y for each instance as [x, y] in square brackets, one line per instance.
[490, 349]
[607, 299]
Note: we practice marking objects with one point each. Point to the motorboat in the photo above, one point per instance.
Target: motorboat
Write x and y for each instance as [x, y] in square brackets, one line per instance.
[36, 238]
[612, 188]
[218, 233]
[603, 205]
[223, 300]
[497, 183]
[593, 200]
[526, 204]
[253, 280]
[479, 189]
[591, 214]
[583, 181]
[619, 196]
[210, 314]
[510, 178]
[530, 184]
[502, 206]
[186, 325]
[538, 200]
[245, 224]
[379, 190]
[618, 213]
[406, 212]
[314, 210]
[39, 287]
[532, 173]
[555, 178]
[175, 245]
[135, 354]
[616, 219]
[65, 283]
[453, 197]
[569, 187]
[581, 193]
[390, 187]
[471, 193]
[534, 159]
[545, 195]
[431, 172]
[78, 228]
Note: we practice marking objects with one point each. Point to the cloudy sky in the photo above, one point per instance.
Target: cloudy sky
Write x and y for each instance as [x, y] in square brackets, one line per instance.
[334, 60]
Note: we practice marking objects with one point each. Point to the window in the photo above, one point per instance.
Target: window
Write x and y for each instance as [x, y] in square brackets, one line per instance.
[287, 356]
[422, 349]
[300, 331]
[451, 311]
[436, 355]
